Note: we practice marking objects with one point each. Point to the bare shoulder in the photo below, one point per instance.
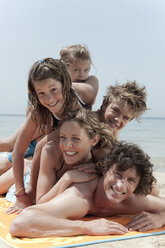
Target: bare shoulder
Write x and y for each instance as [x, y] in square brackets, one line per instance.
[85, 189]
[53, 154]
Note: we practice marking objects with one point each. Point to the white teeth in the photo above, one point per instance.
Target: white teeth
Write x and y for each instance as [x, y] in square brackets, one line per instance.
[116, 192]
[52, 105]
[113, 124]
[71, 153]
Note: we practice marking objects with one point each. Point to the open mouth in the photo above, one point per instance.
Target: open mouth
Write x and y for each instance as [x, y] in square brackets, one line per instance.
[70, 153]
[117, 192]
[113, 124]
[52, 104]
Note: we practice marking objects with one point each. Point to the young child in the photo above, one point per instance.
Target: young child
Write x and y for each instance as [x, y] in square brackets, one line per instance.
[51, 96]
[123, 188]
[78, 61]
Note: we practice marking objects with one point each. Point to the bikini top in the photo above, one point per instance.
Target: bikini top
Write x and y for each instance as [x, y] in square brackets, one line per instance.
[81, 102]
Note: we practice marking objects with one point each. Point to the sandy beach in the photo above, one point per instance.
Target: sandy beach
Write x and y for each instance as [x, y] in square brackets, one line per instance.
[147, 242]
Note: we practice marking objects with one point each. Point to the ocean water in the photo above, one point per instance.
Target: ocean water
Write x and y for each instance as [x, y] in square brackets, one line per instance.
[149, 134]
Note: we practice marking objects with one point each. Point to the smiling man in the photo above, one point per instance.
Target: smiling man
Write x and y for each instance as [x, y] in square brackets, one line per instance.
[123, 188]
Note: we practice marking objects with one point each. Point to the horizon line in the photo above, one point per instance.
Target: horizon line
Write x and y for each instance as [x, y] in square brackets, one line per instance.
[143, 117]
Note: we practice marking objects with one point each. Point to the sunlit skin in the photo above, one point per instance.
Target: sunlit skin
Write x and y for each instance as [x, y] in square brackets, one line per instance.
[79, 71]
[117, 115]
[75, 143]
[117, 186]
[49, 92]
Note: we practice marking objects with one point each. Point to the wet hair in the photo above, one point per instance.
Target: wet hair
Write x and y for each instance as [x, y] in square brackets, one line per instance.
[126, 156]
[70, 54]
[44, 69]
[133, 95]
[90, 122]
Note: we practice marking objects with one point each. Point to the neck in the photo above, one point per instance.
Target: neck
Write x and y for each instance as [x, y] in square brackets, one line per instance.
[100, 200]
[86, 160]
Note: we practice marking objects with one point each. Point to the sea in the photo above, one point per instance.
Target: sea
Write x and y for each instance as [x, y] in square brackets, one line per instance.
[148, 133]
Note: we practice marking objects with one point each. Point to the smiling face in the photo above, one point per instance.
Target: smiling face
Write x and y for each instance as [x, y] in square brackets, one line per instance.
[119, 185]
[117, 115]
[79, 71]
[75, 143]
[49, 92]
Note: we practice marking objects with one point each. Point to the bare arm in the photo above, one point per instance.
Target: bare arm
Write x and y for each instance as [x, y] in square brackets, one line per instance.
[51, 160]
[56, 217]
[139, 203]
[88, 90]
[23, 140]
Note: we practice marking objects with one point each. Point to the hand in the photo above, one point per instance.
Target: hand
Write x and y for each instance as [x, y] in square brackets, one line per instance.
[21, 203]
[77, 176]
[104, 227]
[86, 167]
[145, 221]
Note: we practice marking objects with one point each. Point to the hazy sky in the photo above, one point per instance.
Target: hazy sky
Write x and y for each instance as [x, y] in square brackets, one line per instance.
[126, 39]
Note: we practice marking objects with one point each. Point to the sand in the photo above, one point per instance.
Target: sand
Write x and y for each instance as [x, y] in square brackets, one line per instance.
[147, 242]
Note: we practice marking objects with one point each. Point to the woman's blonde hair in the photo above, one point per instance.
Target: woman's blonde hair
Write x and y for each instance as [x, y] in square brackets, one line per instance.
[90, 122]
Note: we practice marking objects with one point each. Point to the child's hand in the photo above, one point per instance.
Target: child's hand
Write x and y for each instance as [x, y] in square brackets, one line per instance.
[77, 176]
[86, 167]
[21, 203]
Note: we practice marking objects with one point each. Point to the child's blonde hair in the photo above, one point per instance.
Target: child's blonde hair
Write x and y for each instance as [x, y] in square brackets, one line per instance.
[133, 95]
[70, 54]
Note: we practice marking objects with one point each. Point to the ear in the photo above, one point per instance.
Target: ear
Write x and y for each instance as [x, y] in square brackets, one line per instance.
[103, 105]
[95, 140]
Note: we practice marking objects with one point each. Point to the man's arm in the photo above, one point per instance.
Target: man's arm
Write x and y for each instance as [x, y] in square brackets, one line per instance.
[57, 217]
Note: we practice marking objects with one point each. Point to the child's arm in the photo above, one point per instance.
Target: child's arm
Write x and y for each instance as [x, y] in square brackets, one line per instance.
[23, 140]
[87, 90]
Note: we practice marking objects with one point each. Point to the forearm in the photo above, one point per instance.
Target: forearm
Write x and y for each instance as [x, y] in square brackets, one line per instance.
[18, 169]
[49, 226]
[63, 183]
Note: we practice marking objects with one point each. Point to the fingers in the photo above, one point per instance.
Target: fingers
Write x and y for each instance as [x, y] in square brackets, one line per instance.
[13, 210]
[140, 222]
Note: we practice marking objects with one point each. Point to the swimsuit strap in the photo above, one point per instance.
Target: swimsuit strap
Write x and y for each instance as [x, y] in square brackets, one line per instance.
[80, 101]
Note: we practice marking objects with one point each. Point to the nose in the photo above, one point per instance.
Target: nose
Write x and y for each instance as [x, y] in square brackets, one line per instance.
[48, 96]
[81, 74]
[120, 185]
[118, 118]
[68, 144]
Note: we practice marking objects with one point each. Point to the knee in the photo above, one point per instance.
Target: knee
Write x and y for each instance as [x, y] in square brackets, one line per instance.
[21, 225]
